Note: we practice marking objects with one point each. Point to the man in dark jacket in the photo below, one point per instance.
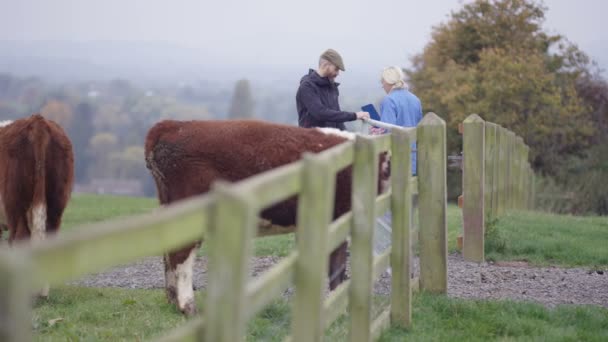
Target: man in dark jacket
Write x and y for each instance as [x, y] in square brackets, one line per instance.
[317, 96]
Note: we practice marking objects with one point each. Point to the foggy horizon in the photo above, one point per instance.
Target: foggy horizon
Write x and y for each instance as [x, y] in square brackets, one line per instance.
[264, 41]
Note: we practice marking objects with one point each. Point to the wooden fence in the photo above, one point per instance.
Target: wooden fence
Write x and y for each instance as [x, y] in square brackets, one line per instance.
[496, 178]
[227, 218]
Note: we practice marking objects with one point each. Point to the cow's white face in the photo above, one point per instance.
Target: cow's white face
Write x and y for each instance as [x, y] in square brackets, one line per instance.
[5, 123]
[385, 172]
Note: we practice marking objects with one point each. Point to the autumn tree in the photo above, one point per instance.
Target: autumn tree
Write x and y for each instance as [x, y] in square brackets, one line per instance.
[101, 146]
[493, 58]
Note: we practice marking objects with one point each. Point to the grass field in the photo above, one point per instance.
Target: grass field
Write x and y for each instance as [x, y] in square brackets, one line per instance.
[85, 314]
[544, 239]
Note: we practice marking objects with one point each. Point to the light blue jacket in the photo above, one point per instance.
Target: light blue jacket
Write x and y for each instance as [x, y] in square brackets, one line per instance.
[402, 108]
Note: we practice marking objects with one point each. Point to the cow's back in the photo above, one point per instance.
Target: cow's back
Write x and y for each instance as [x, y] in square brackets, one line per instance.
[185, 157]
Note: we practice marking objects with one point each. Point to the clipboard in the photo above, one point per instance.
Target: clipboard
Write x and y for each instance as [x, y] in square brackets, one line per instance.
[372, 111]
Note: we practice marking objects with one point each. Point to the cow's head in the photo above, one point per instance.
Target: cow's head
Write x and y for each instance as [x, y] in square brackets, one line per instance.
[384, 172]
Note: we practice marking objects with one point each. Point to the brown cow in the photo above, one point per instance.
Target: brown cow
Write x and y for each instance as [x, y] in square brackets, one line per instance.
[186, 157]
[36, 175]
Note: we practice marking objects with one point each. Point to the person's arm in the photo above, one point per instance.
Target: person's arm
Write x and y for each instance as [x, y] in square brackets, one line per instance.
[318, 111]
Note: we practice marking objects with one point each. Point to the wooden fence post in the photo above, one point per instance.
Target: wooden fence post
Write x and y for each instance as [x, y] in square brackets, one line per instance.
[401, 209]
[520, 174]
[501, 170]
[365, 175]
[473, 188]
[15, 297]
[230, 241]
[490, 164]
[515, 170]
[432, 190]
[532, 190]
[495, 166]
[507, 170]
[526, 178]
[316, 201]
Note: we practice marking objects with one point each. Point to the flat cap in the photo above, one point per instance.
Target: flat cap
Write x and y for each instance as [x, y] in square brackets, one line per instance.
[334, 58]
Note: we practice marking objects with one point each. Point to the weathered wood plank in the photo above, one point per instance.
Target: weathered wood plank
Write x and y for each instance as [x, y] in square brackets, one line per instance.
[381, 323]
[533, 190]
[433, 203]
[383, 203]
[316, 200]
[490, 154]
[511, 171]
[414, 185]
[495, 168]
[381, 263]
[517, 172]
[339, 231]
[119, 241]
[229, 253]
[336, 303]
[523, 168]
[382, 142]
[274, 185]
[502, 170]
[15, 294]
[278, 184]
[339, 156]
[415, 284]
[270, 285]
[401, 209]
[365, 175]
[473, 175]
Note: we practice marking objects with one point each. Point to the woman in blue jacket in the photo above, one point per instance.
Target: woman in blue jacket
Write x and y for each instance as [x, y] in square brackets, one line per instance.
[402, 108]
[399, 107]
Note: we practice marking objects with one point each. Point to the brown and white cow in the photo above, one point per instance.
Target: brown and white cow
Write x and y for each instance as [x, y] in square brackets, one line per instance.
[36, 175]
[186, 157]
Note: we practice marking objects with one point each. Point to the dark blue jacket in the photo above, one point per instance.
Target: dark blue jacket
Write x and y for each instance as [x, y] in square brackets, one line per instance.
[317, 103]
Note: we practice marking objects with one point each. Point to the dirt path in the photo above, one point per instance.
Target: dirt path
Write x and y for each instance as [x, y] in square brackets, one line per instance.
[547, 285]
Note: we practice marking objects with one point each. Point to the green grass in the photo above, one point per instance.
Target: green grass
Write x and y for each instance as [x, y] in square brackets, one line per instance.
[103, 315]
[84, 208]
[127, 315]
[437, 318]
[543, 239]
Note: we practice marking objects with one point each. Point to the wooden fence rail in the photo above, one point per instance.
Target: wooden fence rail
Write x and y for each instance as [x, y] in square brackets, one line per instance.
[496, 178]
[227, 218]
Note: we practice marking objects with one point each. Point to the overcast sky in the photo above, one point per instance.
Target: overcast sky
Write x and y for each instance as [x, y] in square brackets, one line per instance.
[290, 34]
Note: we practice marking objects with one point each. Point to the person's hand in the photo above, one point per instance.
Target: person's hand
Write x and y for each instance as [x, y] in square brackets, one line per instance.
[362, 115]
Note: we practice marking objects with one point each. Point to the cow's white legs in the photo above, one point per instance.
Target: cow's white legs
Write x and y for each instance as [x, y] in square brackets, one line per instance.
[170, 281]
[37, 225]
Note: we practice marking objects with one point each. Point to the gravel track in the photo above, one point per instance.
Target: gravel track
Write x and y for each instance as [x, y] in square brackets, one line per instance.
[549, 286]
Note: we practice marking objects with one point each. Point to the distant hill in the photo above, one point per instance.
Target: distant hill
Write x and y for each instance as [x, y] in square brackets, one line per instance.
[152, 62]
